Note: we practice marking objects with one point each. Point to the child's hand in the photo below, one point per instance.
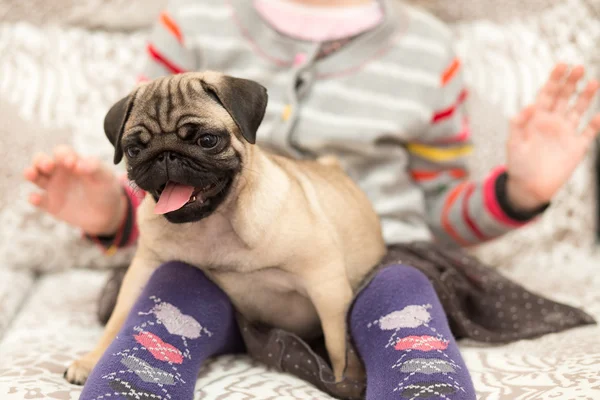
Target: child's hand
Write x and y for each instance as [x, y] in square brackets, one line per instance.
[79, 191]
[544, 145]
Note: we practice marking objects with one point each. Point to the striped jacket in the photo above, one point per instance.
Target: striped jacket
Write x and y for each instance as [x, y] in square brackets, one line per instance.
[390, 105]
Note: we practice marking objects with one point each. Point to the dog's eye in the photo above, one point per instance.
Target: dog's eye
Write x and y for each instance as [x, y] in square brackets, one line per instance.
[133, 151]
[208, 141]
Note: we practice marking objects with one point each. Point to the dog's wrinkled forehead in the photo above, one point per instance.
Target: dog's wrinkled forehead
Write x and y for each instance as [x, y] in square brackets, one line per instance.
[165, 104]
[205, 98]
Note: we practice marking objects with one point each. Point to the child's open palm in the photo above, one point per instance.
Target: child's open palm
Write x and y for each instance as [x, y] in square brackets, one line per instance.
[545, 145]
[80, 191]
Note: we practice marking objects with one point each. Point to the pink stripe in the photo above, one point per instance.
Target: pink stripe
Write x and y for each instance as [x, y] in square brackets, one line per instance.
[159, 349]
[463, 136]
[142, 78]
[447, 113]
[299, 59]
[467, 217]
[421, 343]
[253, 44]
[312, 24]
[491, 202]
[135, 195]
[154, 53]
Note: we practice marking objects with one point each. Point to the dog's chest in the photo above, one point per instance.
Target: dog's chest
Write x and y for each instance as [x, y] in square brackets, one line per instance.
[254, 281]
[211, 244]
[272, 296]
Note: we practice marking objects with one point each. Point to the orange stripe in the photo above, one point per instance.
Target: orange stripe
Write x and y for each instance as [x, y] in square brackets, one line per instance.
[423, 175]
[467, 216]
[451, 71]
[452, 197]
[171, 26]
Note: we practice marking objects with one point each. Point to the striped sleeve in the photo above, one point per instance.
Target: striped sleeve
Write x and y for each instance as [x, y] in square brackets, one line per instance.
[459, 210]
[168, 50]
[127, 233]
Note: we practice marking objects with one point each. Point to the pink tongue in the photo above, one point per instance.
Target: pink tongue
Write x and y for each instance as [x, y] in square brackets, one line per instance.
[173, 198]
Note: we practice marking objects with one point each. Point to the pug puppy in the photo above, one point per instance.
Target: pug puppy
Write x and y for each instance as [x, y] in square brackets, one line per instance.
[288, 241]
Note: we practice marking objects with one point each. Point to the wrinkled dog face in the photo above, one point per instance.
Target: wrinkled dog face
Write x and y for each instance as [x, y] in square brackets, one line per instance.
[184, 139]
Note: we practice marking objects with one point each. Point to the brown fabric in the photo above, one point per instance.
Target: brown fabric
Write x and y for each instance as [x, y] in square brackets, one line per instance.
[480, 303]
[287, 352]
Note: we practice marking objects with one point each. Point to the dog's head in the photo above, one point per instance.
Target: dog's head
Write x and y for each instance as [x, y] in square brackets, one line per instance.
[185, 138]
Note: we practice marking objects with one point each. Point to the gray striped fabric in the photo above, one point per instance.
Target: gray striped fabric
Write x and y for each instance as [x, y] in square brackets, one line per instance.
[373, 104]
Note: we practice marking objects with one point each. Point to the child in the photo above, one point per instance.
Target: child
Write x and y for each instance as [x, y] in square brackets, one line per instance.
[375, 83]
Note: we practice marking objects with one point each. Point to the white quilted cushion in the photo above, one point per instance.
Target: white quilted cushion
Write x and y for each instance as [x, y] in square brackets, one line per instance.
[105, 14]
[15, 286]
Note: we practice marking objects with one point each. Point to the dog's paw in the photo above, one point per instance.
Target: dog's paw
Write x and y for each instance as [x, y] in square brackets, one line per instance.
[79, 370]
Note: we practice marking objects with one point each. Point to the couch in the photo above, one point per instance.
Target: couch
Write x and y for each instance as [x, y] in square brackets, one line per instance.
[62, 63]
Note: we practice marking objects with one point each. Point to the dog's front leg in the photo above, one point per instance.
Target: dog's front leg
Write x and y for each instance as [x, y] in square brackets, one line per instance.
[134, 281]
[331, 294]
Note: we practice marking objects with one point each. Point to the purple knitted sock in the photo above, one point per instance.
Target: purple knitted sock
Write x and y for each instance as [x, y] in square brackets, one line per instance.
[180, 319]
[402, 335]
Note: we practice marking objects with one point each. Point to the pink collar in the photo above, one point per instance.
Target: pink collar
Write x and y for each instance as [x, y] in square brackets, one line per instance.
[319, 24]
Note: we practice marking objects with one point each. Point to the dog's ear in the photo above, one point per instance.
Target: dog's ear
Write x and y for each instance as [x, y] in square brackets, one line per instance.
[244, 100]
[114, 123]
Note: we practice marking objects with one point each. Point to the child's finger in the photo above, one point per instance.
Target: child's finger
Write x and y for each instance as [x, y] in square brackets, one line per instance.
[93, 168]
[43, 163]
[87, 166]
[583, 102]
[30, 174]
[591, 131]
[519, 122]
[35, 177]
[568, 89]
[66, 156]
[38, 199]
[547, 95]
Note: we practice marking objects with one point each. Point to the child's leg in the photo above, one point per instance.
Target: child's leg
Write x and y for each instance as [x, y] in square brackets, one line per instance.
[402, 335]
[180, 319]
